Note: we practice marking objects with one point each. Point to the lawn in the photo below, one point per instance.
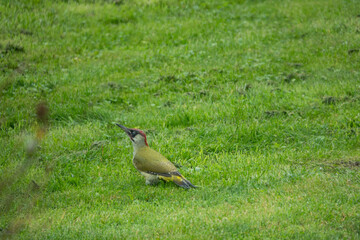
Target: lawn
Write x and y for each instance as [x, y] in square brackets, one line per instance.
[257, 101]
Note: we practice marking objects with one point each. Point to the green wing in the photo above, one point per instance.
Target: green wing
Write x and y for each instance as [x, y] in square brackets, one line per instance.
[150, 161]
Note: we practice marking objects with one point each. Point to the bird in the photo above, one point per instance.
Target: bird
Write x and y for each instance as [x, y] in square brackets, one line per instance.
[151, 164]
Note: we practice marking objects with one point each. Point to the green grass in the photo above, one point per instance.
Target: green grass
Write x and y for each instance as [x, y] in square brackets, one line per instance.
[257, 100]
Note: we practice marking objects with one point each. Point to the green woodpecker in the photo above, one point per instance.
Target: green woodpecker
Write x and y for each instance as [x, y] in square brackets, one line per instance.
[151, 164]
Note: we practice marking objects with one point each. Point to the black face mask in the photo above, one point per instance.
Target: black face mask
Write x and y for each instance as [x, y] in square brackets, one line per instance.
[133, 133]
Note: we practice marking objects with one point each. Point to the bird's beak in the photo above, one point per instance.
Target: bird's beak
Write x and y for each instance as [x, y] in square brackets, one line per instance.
[124, 128]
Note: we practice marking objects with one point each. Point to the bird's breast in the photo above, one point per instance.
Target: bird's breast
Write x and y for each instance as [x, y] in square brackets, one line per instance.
[136, 161]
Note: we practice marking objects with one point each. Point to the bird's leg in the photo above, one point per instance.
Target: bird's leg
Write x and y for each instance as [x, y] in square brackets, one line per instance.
[150, 179]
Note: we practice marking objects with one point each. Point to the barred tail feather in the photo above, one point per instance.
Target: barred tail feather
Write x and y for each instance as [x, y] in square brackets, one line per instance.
[179, 180]
[184, 183]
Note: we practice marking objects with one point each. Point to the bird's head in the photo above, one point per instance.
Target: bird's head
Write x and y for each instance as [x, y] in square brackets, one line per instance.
[137, 136]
